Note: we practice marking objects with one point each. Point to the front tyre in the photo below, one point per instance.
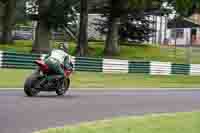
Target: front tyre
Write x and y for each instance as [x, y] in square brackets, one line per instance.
[64, 88]
[29, 86]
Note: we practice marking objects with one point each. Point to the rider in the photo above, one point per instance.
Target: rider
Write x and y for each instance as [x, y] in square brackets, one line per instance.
[56, 59]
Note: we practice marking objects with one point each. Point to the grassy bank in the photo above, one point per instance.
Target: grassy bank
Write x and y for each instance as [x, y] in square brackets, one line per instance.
[175, 123]
[15, 78]
[133, 52]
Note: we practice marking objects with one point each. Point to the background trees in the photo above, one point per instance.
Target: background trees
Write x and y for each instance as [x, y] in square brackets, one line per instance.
[7, 20]
[52, 14]
[123, 20]
[127, 19]
[82, 47]
[184, 8]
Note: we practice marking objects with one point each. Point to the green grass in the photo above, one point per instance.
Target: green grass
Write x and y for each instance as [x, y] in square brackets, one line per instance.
[134, 52]
[18, 46]
[166, 123]
[15, 78]
[11, 78]
[24, 46]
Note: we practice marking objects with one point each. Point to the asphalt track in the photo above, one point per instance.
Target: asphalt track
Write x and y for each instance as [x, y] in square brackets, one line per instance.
[21, 114]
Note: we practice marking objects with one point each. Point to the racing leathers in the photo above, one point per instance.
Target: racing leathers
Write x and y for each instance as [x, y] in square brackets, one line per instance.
[55, 60]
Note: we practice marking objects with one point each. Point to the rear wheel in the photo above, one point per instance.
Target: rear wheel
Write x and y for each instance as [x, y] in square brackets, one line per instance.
[30, 84]
[64, 88]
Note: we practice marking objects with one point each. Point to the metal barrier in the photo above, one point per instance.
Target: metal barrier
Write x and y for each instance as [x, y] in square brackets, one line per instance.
[26, 61]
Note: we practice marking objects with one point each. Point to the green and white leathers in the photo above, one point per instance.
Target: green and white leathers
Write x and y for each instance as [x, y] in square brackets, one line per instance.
[54, 61]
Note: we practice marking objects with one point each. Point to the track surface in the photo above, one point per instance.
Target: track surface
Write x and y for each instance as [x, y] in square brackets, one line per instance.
[20, 114]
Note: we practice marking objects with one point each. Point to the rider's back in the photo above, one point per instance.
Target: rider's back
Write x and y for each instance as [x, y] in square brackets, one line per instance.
[58, 55]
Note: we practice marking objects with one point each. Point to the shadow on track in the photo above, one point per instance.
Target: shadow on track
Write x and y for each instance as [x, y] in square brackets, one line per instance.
[54, 96]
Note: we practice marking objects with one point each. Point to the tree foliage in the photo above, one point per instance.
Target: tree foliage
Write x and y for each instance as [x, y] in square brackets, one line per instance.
[82, 47]
[62, 13]
[184, 8]
[50, 14]
[58, 14]
[135, 23]
[21, 16]
[8, 20]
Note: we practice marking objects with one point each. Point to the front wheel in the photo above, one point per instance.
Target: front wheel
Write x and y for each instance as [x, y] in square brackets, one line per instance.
[64, 88]
[30, 83]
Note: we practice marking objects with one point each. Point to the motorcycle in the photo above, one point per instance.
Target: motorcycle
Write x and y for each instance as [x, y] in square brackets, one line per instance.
[37, 82]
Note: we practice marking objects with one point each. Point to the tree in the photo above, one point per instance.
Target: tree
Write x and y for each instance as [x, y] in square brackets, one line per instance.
[82, 47]
[42, 37]
[21, 16]
[122, 11]
[112, 45]
[184, 8]
[8, 21]
[1, 14]
[134, 26]
[127, 20]
[52, 15]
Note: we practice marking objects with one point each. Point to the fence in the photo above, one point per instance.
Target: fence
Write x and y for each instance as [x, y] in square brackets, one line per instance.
[26, 61]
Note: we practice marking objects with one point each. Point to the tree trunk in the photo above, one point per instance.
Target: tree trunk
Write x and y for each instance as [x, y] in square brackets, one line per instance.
[165, 30]
[112, 47]
[8, 22]
[1, 16]
[41, 43]
[82, 48]
[160, 30]
[112, 41]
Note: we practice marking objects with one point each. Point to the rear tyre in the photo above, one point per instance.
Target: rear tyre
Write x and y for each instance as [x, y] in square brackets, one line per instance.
[30, 83]
[64, 88]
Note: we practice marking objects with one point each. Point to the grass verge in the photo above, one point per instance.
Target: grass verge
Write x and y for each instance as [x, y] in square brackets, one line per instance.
[130, 52]
[166, 123]
[12, 78]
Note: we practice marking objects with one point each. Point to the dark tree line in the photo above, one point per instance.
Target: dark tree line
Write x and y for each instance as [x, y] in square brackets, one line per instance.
[126, 20]
[123, 20]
